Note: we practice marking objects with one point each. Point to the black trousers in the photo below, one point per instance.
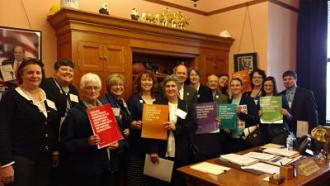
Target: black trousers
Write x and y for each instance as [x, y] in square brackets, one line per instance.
[28, 172]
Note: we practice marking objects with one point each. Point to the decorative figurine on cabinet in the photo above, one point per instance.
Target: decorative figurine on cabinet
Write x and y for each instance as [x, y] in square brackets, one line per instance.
[104, 9]
[134, 14]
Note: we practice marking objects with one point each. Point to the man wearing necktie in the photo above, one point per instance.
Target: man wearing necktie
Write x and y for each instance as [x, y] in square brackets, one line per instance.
[15, 61]
[301, 102]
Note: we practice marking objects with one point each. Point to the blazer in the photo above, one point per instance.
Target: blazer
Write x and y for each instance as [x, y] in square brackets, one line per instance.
[137, 144]
[252, 117]
[125, 119]
[83, 159]
[303, 108]
[182, 134]
[220, 98]
[189, 94]
[204, 94]
[57, 95]
[24, 130]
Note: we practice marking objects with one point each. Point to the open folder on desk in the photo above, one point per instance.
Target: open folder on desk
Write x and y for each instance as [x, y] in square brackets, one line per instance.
[163, 170]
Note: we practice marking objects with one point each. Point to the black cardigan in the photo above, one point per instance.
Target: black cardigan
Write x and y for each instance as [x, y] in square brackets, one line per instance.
[55, 94]
[83, 159]
[24, 130]
[252, 117]
[184, 129]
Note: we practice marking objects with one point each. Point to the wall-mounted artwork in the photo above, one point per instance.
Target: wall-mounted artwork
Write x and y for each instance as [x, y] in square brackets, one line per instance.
[16, 44]
[246, 61]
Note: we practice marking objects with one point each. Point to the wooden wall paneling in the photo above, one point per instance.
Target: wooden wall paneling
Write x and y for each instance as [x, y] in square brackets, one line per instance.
[104, 44]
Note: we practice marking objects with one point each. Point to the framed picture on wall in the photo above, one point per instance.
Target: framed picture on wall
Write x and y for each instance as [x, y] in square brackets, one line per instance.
[16, 44]
[246, 61]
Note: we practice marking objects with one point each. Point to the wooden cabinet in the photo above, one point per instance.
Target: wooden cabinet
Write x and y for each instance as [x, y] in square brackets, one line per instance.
[102, 44]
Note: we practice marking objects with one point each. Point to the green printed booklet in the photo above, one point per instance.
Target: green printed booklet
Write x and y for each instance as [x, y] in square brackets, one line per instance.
[270, 107]
[228, 116]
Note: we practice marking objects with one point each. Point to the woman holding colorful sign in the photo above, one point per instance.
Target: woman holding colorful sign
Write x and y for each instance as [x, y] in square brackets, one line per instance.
[89, 166]
[144, 93]
[115, 86]
[247, 116]
[180, 126]
[272, 109]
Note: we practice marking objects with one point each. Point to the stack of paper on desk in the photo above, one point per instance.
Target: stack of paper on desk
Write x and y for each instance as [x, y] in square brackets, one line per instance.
[260, 156]
[263, 167]
[210, 168]
[272, 145]
[240, 160]
[281, 152]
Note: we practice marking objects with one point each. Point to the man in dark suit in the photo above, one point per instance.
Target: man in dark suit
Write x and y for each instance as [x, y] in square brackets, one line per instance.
[19, 54]
[186, 93]
[301, 102]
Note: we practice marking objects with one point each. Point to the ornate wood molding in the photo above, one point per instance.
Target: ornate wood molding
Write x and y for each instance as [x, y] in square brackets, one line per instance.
[226, 9]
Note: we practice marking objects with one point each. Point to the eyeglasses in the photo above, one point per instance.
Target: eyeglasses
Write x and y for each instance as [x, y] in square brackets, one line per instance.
[257, 77]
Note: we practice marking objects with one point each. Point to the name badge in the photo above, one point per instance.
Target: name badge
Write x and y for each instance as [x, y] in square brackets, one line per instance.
[180, 113]
[74, 98]
[51, 104]
[116, 111]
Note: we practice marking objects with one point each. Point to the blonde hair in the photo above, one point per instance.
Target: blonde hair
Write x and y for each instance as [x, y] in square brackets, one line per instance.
[114, 79]
[90, 77]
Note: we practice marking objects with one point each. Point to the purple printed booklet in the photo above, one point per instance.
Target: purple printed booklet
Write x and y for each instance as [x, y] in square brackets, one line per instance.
[206, 113]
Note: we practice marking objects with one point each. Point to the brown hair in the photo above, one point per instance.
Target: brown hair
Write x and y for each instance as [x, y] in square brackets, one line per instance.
[137, 83]
[25, 63]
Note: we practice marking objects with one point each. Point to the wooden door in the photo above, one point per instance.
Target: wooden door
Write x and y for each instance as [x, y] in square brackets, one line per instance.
[114, 58]
[90, 56]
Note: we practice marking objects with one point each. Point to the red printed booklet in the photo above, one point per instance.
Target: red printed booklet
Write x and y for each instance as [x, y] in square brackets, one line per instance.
[104, 125]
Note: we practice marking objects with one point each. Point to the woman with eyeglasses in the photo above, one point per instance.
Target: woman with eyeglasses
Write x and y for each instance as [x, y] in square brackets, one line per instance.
[257, 77]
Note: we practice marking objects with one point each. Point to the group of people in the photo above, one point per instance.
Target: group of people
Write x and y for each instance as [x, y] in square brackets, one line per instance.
[46, 137]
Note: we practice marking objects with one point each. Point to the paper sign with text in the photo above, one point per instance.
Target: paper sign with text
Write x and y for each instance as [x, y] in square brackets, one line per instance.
[104, 125]
[153, 118]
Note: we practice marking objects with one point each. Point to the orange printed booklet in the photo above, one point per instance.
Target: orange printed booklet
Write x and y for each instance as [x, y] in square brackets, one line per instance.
[153, 118]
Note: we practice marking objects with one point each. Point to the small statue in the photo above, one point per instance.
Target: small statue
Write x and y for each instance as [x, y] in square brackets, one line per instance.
[104, 9]
[134, 14]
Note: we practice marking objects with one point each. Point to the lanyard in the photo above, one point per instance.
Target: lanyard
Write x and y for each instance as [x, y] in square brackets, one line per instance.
[66, 94]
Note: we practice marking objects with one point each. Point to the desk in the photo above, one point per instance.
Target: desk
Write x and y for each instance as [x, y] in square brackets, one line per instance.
[236, 177]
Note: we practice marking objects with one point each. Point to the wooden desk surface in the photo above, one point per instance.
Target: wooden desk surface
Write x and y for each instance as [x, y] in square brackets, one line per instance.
[236, 177]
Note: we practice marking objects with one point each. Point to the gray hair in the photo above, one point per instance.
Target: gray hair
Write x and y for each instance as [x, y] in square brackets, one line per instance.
[90, 78]
[171, 78]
